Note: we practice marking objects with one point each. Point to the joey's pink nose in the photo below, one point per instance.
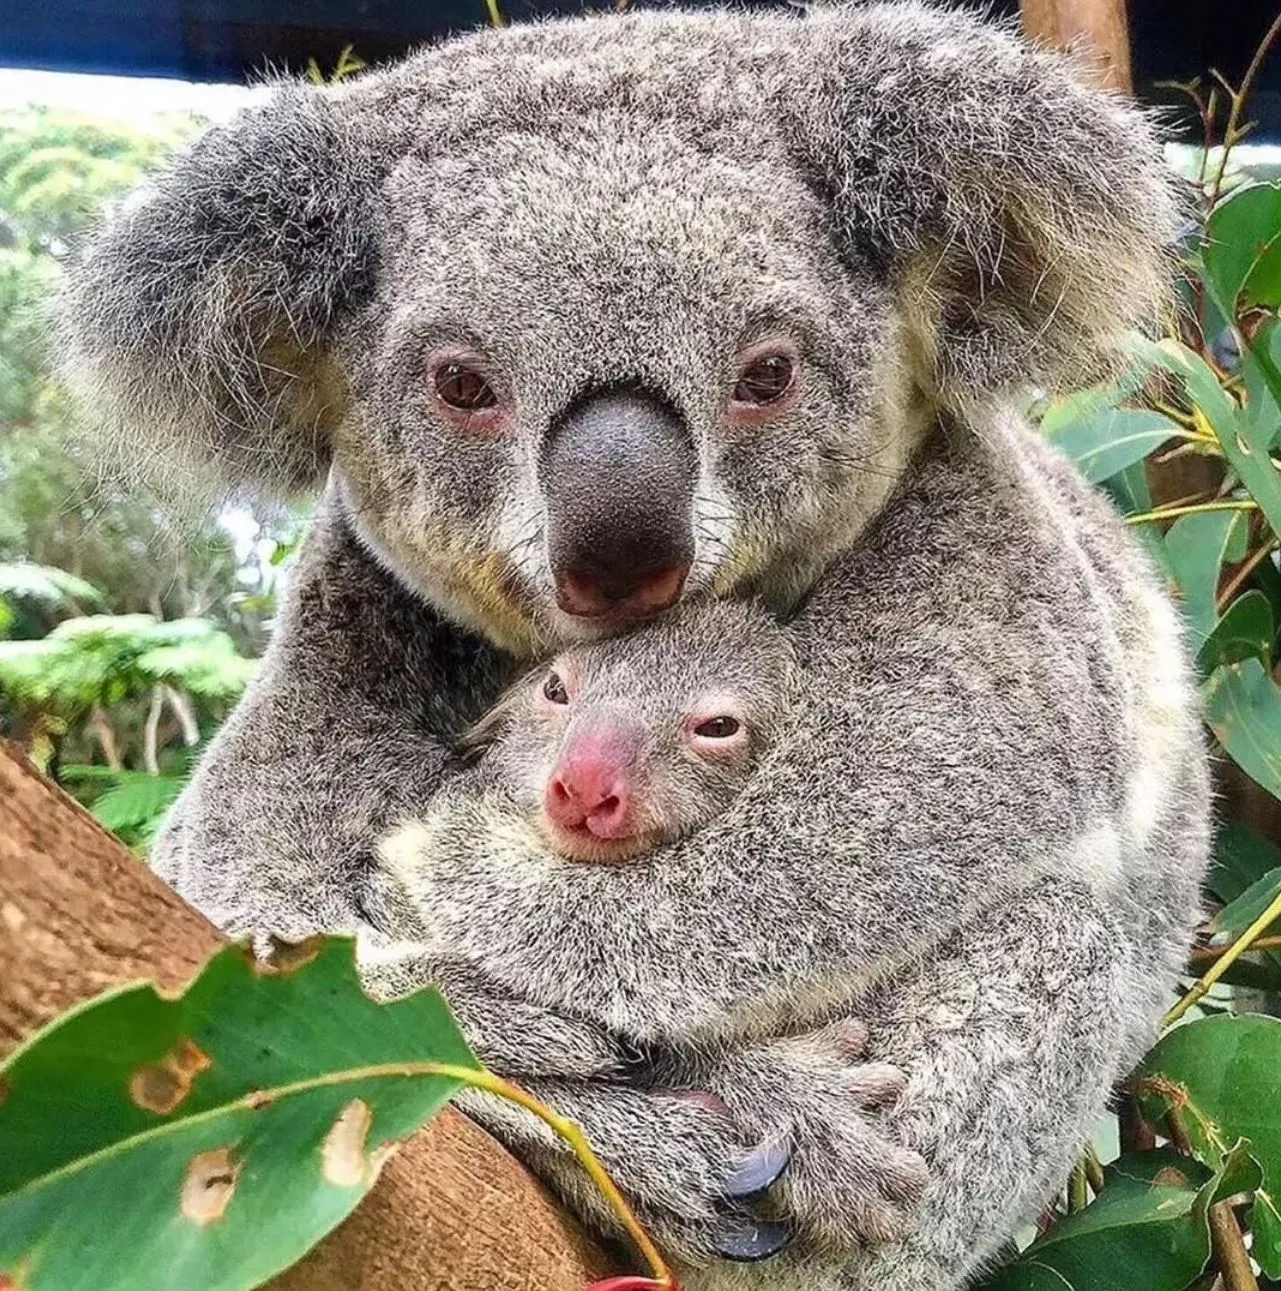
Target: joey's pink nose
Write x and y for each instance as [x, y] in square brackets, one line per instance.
[590, 788]
[591, 593]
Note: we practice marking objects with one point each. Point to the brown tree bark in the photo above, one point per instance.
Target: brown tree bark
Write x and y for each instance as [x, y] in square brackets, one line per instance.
[1098, 28]
[79, 914]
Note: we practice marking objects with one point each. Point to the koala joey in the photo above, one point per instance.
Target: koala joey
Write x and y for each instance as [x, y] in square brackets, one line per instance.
[618, 746]
[579, 322]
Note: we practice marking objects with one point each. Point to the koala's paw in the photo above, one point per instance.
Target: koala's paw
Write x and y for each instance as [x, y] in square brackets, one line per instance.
[697, 1183]
[849, 1181]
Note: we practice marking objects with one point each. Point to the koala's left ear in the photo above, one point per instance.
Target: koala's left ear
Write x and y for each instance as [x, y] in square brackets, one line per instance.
[1028, 219]
[197, 323]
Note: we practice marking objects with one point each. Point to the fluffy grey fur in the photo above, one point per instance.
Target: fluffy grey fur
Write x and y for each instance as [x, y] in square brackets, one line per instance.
[982, 830]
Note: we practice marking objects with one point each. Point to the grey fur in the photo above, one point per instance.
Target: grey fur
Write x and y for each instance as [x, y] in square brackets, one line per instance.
[983, 829]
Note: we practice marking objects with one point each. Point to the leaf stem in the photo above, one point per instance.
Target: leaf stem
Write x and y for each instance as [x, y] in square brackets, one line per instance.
[1229, 1249]
[1170, 513]
[1078, 1195]
[1226, 960]
[1242, 574]
[1214, 952]
[478, 1078]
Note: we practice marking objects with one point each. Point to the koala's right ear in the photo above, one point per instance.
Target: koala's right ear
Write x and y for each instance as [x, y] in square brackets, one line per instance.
[1029, 219]
[197, 321]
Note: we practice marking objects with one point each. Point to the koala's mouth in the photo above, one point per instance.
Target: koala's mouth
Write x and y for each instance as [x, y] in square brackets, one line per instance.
[578, 843]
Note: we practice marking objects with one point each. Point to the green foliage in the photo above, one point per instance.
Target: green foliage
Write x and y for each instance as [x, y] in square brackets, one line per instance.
[207, 1141]
[1217, 1079]
[124, 631]
[1147, 1231]
[104, 659]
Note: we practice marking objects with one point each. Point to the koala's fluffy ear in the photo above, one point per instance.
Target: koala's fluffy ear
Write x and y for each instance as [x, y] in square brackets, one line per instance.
[1029, 219]
[197, 320]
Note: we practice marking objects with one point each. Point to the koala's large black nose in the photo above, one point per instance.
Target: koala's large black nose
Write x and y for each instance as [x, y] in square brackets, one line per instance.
[618, 472]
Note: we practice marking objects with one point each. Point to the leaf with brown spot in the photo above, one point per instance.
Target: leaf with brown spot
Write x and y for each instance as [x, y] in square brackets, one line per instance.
[209, 1186]
[218, 1105]
[160, 1086]
[344, 1151]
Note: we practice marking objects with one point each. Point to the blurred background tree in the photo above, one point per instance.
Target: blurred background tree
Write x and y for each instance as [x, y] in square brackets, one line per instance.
[125, 633]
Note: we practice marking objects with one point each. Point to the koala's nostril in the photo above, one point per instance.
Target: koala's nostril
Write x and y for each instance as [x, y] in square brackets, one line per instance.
[587, 594]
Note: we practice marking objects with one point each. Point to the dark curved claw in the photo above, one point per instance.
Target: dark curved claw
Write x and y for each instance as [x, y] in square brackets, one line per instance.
[761, 1170]
[745, 1240]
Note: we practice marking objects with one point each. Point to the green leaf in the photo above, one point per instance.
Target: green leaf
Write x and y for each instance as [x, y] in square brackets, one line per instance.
[1261, 371]
[1243, 709]
[136, 800]
[1244, 444]
[1246, 631]
[1238, 915]
[1219, 1077]
[25, 580]
[1130, 491]
[1107, 440]
[1197, 546]
[1145, 1232]
[209, 1140]
[1242, 250]
[1241, 858]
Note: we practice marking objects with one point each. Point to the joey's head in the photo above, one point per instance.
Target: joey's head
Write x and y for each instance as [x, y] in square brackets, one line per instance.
[588, 318]
[619, 745]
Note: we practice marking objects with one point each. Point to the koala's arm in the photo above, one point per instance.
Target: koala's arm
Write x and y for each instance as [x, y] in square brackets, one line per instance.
[343, 733]
[978, 1073]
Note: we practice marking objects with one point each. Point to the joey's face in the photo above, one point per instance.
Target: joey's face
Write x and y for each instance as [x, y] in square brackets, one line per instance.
[617, 747]
[611, 365]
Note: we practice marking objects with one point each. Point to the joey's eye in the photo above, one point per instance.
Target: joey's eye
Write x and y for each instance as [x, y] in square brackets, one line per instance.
[717, 728]
[765, 380]
[554, 690]
[463, 388]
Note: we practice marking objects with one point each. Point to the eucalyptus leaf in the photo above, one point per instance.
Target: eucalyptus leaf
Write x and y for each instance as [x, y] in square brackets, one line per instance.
[1241, 858]
[1245, 444]
[1243, 709]
[1107, 440]
[1197, 547]
[1218, 1077]
[1246, 631]
[1145, 1232]
[1238, 915]
[207, 1141]
[1241, 254]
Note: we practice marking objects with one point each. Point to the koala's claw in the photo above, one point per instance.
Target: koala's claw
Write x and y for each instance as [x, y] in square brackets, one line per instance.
[761, 1170]
[744, 1240]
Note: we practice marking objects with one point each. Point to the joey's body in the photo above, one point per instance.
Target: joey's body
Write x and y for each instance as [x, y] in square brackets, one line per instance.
[585, 318]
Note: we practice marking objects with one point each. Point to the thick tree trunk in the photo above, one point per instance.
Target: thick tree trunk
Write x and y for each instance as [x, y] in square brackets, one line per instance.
[78, 914]
[1098, 28]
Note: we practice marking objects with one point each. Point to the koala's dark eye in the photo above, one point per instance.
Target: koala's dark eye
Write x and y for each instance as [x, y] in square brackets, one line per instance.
[554, 690]
[765, 379]
[717, 728]
[463, 388]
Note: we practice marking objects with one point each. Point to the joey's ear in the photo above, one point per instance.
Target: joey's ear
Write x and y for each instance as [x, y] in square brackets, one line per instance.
[197, 321]
[1029, 219]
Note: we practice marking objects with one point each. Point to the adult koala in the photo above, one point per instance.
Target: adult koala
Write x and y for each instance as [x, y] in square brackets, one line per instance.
[582, 318]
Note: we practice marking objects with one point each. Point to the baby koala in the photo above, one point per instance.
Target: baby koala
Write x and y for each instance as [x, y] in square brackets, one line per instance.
[623, 744]
[614, 748]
